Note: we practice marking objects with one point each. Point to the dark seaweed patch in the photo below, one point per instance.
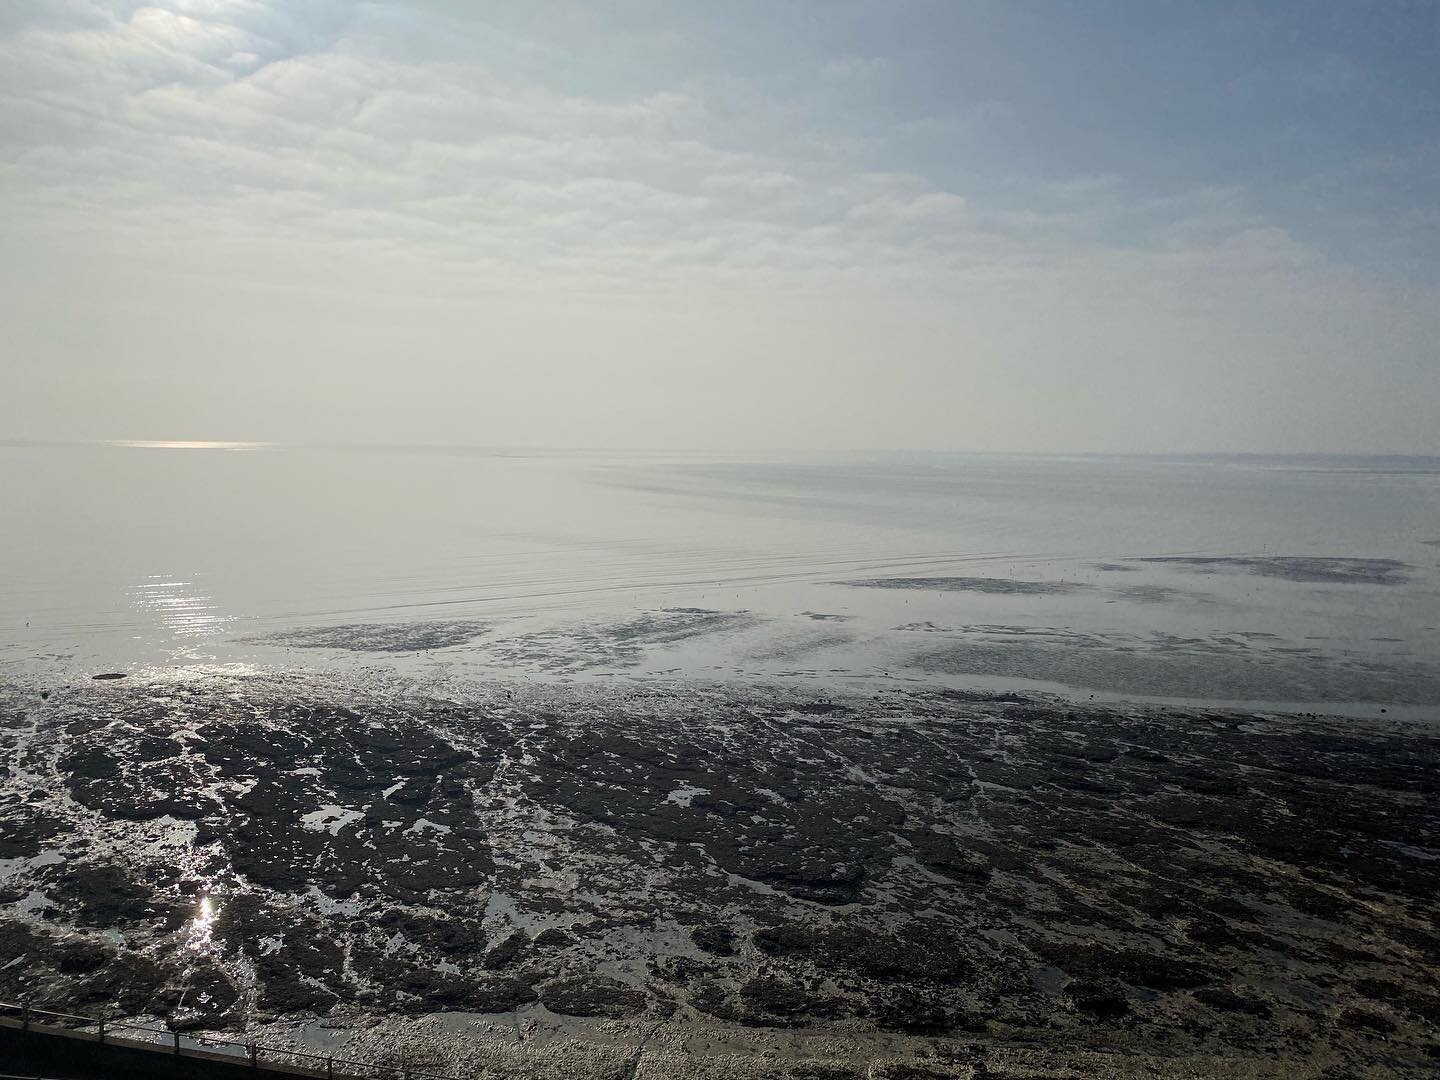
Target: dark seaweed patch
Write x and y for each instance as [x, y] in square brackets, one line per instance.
[616, 644]
[381, 637]
[995, 586]
[1158, 594]
[1306, 568]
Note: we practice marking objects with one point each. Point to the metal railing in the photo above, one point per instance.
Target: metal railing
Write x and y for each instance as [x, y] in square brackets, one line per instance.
[180, 1044]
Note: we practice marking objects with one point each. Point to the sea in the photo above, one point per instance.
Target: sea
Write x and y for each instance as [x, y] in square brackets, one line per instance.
[1299, 583]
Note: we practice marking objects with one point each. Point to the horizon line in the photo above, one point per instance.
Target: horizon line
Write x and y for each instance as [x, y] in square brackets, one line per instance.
[240, 445]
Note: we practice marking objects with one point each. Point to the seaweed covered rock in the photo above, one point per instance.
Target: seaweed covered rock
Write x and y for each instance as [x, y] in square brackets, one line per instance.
[591, 995]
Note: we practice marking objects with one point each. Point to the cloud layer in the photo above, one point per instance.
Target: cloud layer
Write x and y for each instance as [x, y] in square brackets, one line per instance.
[213, 204]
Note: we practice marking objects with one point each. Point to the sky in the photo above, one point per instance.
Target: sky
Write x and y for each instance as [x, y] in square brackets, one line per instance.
[1144, 226]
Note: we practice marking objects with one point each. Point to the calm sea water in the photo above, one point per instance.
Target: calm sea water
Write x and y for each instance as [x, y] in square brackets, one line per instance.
[1321, 585]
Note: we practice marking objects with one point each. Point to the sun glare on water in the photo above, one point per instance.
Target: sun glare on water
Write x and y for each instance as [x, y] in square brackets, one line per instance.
[181, 606]
[202, 926]
[186, 444]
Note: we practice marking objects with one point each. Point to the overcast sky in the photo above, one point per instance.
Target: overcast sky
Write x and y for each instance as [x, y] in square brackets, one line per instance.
[1142, 226]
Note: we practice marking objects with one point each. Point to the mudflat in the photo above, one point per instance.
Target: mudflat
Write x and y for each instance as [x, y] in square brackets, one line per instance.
[681, 879]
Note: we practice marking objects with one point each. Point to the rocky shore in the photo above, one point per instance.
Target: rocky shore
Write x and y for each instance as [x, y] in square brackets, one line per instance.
[686, 880]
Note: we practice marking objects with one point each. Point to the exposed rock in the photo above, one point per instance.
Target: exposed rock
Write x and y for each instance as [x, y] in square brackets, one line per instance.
[591, 995]
[1101, 997]
[508, 951]
[906, 866]
[715, 938]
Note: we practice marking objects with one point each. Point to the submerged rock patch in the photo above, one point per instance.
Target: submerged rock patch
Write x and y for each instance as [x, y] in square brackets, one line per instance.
[381, 637]
[994, 586]
[1306, 568]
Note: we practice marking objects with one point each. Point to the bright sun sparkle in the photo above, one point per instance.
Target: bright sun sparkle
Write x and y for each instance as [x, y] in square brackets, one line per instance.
[186, 444]
[201, 927]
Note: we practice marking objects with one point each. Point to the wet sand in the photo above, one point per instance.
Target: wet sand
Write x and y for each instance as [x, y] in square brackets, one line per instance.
[681, 879]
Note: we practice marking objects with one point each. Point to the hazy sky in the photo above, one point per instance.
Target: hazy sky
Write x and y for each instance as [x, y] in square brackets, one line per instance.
[948, 225]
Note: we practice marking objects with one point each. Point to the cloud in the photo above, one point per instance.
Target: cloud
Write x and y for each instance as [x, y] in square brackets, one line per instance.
[315, 149]
[244, 117]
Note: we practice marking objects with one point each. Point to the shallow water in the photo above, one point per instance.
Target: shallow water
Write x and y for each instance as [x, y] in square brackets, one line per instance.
[1290, 580]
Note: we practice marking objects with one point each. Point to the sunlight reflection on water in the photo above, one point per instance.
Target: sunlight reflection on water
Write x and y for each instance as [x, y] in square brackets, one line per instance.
[186, 444]
[179, 605]
[198, 937]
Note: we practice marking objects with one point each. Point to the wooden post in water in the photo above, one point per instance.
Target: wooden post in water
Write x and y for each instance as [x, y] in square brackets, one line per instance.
[254, 1056]
[177, 1043]
[24, 1016]
[103, 1013]
[330, 1068]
